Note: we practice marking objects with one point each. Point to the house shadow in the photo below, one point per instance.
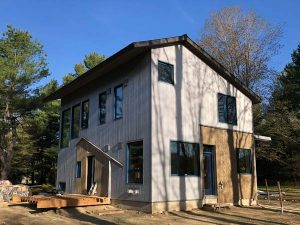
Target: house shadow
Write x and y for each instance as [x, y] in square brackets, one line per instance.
[220, 217]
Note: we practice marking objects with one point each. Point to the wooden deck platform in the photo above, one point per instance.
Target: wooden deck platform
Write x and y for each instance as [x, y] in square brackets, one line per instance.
[60, 201]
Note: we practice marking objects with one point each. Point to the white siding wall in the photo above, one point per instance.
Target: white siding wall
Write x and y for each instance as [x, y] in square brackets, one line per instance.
[135, 125]
[177, 111]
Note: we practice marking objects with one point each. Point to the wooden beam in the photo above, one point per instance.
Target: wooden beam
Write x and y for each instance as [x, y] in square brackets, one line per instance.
[60, 201]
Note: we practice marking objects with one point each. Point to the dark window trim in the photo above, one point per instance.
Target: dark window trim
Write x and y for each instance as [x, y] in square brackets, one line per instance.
[173, 73]
[62, 127]
[250, 161]
[81, 117]
[78, 175]
[116, 87]
[60, 184]
[226, 102]
[72, 120]
[199, 163]
[99, 119]
[127, 161]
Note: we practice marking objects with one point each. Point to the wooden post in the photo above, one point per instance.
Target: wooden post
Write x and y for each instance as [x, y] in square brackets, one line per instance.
[267, 189]
[280, 196]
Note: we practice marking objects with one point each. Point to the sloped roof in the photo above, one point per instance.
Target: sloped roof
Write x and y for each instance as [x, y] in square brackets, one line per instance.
[90, 146]
[136, 48]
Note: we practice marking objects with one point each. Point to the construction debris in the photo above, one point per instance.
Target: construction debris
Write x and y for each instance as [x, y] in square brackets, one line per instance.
[8, 191]
[61, 201]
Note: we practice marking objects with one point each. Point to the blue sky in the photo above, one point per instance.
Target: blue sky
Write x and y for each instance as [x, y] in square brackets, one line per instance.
[69, 29]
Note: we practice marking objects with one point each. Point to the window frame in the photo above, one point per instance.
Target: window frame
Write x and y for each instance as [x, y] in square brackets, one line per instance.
[249, 161]
[226, 109]
[81, 117]
[99, 108]
[64, 184]
[172, 75]
[197, 155]
[77, 170]
[127, 162]
[62, 128]
[115, 88]
[72, 121]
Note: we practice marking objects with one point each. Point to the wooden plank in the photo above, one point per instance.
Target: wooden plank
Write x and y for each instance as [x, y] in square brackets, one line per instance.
[60, 201]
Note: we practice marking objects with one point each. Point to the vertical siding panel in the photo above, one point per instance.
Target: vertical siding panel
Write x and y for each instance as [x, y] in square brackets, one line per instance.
[133, 126]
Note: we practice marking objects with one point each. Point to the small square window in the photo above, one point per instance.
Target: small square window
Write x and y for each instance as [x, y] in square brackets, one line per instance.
[184, 158]
[165, 72]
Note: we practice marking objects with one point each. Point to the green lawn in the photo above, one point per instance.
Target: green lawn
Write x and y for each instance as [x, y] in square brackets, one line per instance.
[289, 188]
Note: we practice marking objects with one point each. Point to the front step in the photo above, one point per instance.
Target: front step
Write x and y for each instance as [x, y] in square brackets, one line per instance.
[210, 199]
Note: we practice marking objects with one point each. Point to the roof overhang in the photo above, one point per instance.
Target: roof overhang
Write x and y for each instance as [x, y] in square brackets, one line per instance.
[262, 138]
[136, 48]
[87, 145]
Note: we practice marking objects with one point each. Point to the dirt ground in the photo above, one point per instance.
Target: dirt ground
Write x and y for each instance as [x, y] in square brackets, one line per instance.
[13, 215]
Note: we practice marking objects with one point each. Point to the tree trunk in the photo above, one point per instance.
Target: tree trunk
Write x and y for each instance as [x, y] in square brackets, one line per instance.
[10, 140]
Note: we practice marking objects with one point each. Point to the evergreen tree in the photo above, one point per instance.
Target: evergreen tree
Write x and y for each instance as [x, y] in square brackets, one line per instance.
[38, 147]
[22, 63]
[91, 60]
[282, 122]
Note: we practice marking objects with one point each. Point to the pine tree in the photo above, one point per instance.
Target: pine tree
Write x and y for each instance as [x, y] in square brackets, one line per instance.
[22, 63]
[91, 60]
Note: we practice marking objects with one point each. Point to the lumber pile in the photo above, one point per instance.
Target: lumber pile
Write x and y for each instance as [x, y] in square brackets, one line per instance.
[61, 201]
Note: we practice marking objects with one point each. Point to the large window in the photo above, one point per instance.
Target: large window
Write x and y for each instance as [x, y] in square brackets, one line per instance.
[227, 109]
[78, 169]
[102, 107]
[244, 161]
[165, 72]
[75, 121]
[135, 162]
[118, 102]
[184, 158]
[85, 114]
[65, 129]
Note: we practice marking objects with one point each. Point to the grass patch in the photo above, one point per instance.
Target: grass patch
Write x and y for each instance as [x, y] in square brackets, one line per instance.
[286, 188]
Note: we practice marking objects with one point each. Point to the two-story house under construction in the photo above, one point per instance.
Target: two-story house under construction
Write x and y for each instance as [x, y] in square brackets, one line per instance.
[160, 125]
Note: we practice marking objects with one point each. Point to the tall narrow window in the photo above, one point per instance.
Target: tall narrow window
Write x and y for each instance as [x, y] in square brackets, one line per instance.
[75, 121]
[165, 72]
[227, 109]
[78, 169]
[135, 162]
[65, 129]
[85, 114]
[118, 103]
[244, 161]
[102, 107]
[184, 158]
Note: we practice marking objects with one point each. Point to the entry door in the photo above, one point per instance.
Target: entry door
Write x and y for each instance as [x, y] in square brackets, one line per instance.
[91, 172]
[209, 170]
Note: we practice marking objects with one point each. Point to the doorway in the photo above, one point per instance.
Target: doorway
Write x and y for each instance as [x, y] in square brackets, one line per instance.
[90, 172]
[209, 169]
